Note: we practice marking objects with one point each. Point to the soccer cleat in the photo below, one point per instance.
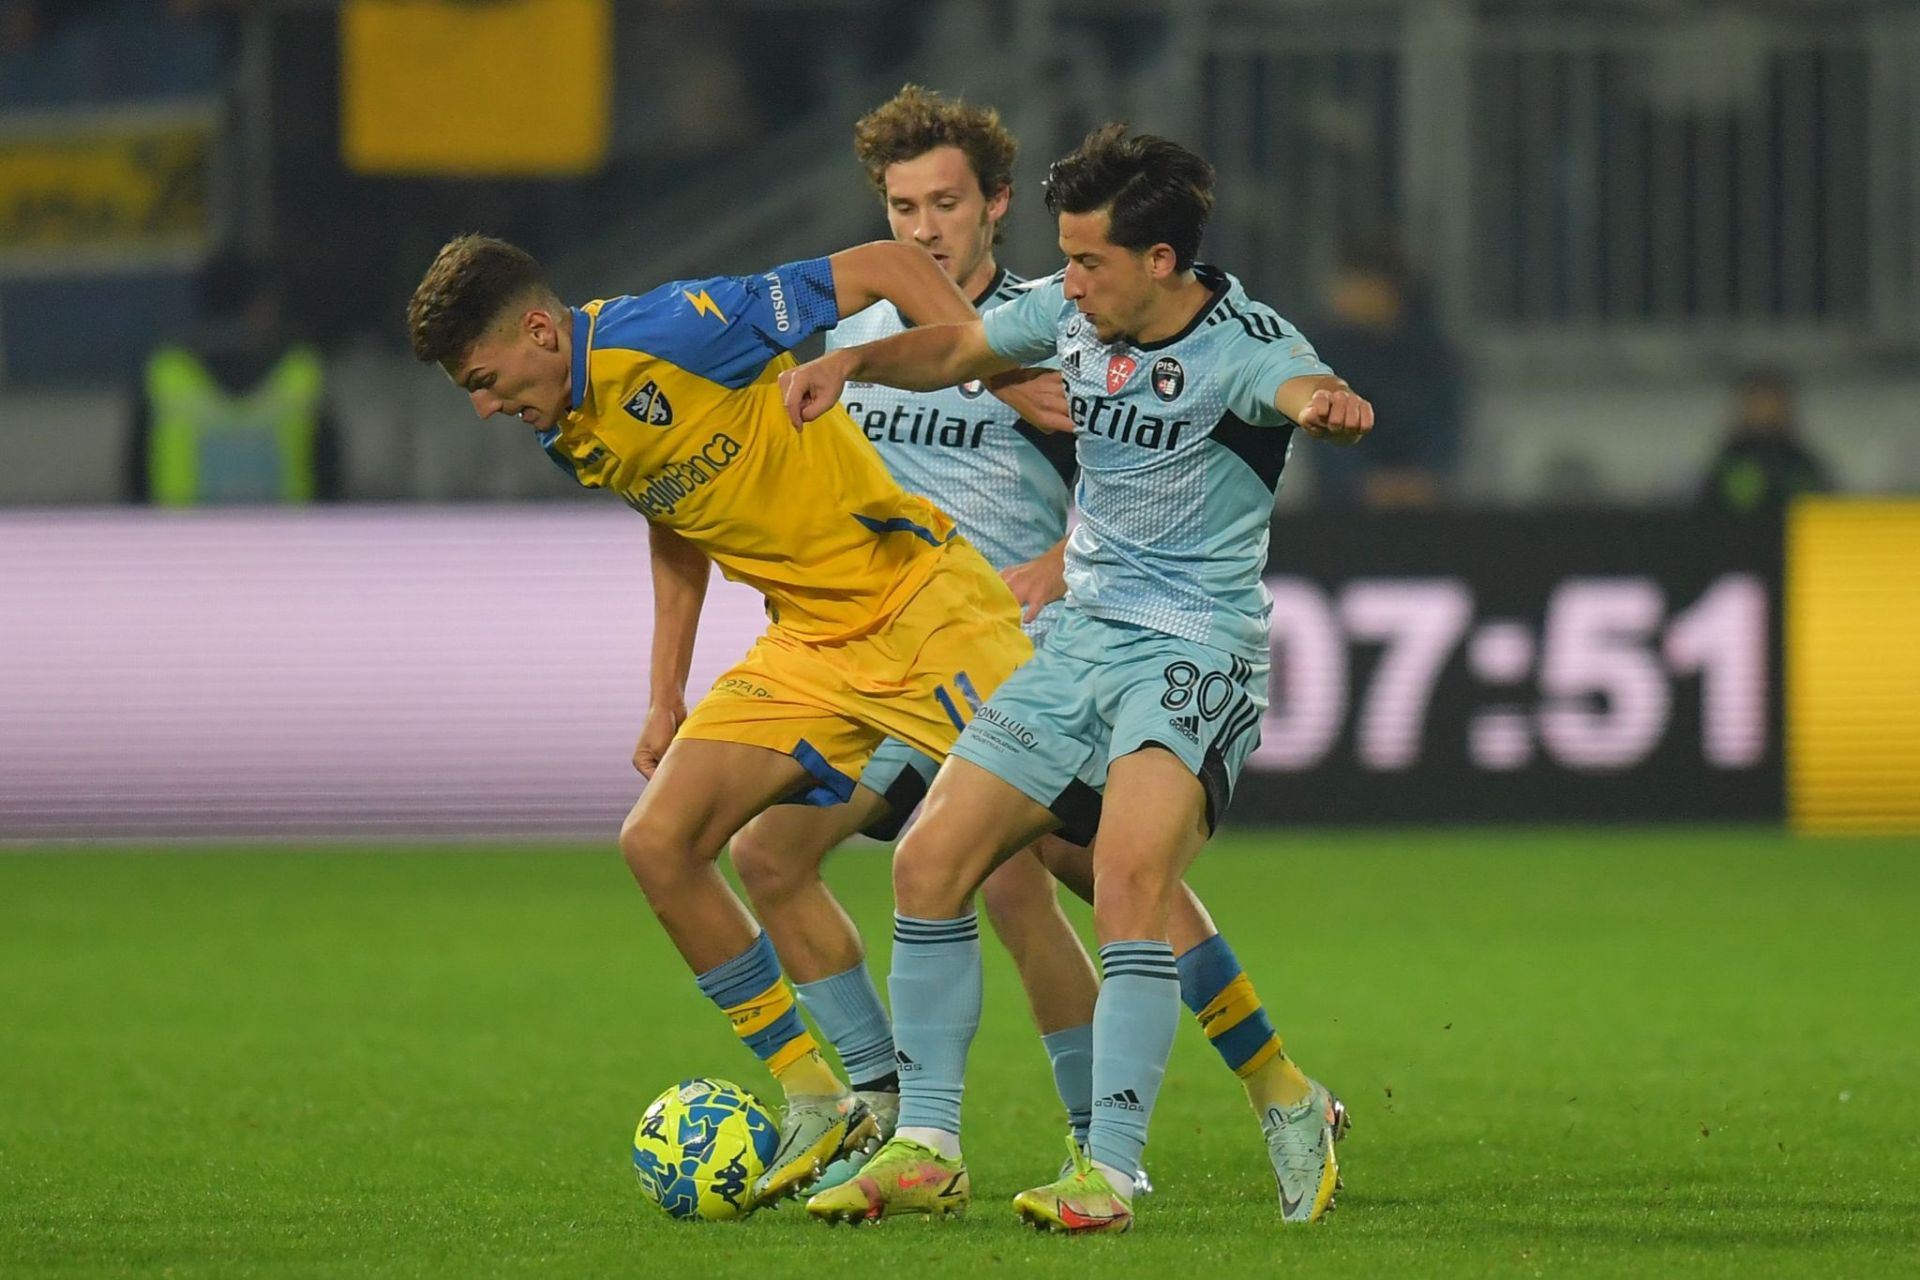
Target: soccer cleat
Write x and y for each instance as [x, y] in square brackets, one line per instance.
[1080, 1203]
[814, 1132]
[886, 1115]
[1300, 1142]
[902, 1177]
[1142, 1184]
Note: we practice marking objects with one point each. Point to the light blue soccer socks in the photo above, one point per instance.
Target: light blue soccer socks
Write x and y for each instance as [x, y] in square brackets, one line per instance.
[1071, 1053]
[847, 1009]
[1133, 1027]
[935, 988]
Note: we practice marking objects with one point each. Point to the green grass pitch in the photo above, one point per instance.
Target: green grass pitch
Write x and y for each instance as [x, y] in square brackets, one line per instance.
[1602, 1053]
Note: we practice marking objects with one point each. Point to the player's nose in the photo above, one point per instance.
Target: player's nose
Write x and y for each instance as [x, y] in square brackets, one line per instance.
[485, 403]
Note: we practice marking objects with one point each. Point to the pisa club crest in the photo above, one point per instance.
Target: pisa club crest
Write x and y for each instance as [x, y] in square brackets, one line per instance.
[1169, 379]
[1119, 369]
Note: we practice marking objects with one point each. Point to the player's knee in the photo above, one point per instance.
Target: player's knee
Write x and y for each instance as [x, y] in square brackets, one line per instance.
[1131, 897]
[657, 859]
[767, 873]
[926, 882]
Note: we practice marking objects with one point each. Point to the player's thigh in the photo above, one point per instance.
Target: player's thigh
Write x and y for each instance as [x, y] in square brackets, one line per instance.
[972, 819]
[1069, 863]
[1153, 823]
[701, 794]
[785, 844]
[786, 697]
[1020, 895]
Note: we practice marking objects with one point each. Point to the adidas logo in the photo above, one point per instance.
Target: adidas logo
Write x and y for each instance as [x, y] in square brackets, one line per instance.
[1189, 726]
[903, 1062]
[1072, 362]
[1125, 1100]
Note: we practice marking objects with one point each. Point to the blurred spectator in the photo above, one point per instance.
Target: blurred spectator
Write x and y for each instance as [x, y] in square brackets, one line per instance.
[1762, 464]
[1381, 336]
[237, 413]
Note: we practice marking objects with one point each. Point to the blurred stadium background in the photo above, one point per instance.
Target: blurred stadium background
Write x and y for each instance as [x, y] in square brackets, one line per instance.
[1636, 284]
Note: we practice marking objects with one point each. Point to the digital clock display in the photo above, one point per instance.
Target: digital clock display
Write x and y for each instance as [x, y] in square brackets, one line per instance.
[1579, 666]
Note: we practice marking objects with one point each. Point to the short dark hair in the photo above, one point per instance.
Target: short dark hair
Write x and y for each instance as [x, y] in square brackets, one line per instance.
[473, 280]
[1154, 191]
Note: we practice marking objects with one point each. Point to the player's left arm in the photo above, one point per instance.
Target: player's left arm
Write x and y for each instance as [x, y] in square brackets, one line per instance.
[903, 274]
[1325, 407]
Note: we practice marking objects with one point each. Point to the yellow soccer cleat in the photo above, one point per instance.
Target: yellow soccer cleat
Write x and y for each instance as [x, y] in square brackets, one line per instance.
[902, 1177]
[814, 1132]
[1080, 1203]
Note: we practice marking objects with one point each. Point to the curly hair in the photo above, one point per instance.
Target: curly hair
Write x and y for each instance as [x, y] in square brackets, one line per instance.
[915, 121]
[472, 281]
[1154, 191]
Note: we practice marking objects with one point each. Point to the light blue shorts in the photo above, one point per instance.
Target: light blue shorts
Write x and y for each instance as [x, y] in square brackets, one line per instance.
[1099, 690]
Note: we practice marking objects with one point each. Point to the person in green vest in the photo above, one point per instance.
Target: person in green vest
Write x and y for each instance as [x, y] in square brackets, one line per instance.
[1762, 464]
[236, 414]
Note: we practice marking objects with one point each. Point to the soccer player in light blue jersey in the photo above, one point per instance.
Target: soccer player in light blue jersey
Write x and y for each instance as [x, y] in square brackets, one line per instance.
[944, 170]
[1184, 394]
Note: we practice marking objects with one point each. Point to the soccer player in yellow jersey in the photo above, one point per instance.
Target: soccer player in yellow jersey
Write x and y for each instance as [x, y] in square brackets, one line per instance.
[883, 623]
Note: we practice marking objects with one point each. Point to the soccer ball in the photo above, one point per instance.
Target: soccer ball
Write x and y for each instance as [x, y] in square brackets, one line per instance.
[700, 1146]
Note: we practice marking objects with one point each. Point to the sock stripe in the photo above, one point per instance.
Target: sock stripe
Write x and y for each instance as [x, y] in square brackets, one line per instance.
[1238, 1044]
[759, 1004]
[1140, 971]
[1222, 997]
[744, 977]
[960, 929]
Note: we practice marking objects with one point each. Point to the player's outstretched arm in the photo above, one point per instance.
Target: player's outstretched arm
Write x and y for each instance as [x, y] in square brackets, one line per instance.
[1326, 408]
[903, 274]
[680, 573]
[923, 359]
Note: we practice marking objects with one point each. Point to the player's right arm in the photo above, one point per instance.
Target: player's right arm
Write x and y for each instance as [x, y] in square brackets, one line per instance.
[934, 356]
[680, 573]
[924, 359]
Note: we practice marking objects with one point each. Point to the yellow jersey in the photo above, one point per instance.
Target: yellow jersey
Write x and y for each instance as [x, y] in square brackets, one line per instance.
[676, 407]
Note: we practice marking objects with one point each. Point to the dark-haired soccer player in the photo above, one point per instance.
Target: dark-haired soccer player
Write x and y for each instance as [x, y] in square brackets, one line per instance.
[944, 169]
[884, 624]
[1184, 392]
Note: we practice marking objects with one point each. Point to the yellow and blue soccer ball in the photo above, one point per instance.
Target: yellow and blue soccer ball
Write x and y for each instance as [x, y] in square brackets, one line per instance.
[700, 1146]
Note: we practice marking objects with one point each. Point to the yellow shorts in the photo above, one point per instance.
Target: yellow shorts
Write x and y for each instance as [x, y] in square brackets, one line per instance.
[918, 679]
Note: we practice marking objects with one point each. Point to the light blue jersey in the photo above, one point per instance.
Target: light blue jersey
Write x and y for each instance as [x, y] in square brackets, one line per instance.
[1006, 484]
[1180, 449]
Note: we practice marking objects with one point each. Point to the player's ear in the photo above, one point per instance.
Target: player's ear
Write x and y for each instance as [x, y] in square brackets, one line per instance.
[997, 202]
[539, 326]
[1162, 261]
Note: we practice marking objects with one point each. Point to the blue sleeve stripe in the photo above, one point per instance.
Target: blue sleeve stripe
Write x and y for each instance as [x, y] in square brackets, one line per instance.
[816, 306]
